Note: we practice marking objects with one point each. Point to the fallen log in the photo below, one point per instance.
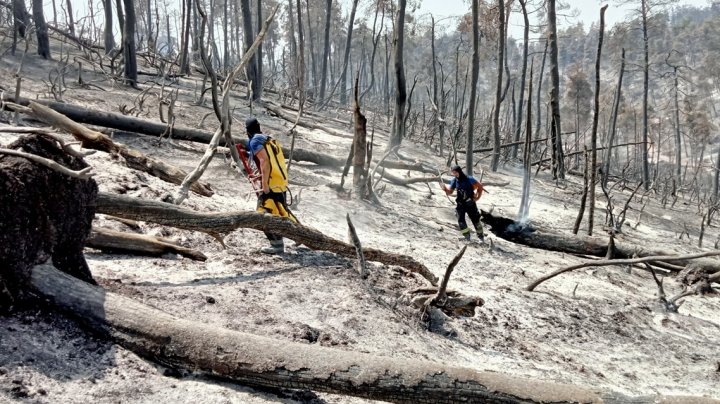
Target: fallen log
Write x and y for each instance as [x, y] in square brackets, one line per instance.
[261, 361]
[134, 159]
[152, 128]
[399, 165]
[112, 241]
[226, 222]
[530, 236]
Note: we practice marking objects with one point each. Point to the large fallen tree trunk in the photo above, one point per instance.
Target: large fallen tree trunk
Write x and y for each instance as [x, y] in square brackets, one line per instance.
[134, 159]
[510, 230]
[226, 222]
[112, 241]
[152, 128]
[261, 361]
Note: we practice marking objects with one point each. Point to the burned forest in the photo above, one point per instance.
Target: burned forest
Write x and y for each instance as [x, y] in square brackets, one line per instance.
[356, 201]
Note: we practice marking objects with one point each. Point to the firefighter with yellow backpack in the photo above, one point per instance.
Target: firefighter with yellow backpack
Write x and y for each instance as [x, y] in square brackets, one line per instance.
[269, 159]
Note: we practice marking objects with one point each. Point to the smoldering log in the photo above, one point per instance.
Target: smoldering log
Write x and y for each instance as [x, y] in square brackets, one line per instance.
[530, 236]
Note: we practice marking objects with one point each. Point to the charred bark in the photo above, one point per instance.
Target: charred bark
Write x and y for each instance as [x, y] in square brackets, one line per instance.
[222, 223]
[527, 235]
[36, 223]
[261, 361]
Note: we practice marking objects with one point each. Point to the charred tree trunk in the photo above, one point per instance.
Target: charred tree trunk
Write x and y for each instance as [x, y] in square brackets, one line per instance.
[678, 136]
[223, 223]
[109, 39]
[300, 62]
[248, 39]
[348, 44]
[152, 128]
[376, 39]
[20, 21]
[556, 129]
[398, 127]
[130, 71]
[71, 18]
[326, 49]
[646, 80]
[473, 88]
[185, 46]
[258, 55]
[359, 144]
[593, 136]
[133, 158]
[495, 162]
[41, 28]
[613, 122]
[526, 39]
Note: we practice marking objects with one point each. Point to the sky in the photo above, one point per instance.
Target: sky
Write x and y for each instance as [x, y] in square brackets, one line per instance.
[588, 12]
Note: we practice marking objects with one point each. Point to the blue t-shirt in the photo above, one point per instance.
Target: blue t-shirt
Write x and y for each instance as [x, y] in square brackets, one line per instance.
[257, 143]
[454, 182]
[464, 188]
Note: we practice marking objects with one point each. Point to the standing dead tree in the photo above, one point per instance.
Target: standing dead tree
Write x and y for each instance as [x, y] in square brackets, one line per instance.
[359, 145]
[613, 122]
[593, 136]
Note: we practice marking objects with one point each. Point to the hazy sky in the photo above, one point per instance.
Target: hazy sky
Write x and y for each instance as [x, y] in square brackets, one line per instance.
[589, 11]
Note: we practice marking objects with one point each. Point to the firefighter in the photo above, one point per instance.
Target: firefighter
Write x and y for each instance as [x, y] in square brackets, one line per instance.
[469, 190]
[269, 159]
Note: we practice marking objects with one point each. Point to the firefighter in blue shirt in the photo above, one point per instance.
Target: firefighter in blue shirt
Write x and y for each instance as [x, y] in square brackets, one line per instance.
[469, 190]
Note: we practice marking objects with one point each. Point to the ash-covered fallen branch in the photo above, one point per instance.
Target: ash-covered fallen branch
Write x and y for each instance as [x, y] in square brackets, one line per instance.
[112, 241]
[82, 174]
[133, 158]
[147, 127]
[219, 223]
[628, 261]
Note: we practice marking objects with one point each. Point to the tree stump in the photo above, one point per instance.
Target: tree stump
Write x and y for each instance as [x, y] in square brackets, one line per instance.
[43, 215]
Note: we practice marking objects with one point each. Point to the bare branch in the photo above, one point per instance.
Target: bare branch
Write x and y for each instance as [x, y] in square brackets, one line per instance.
[83, 174]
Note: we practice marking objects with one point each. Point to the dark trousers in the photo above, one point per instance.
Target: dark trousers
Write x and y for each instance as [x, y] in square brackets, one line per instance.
[469, 207]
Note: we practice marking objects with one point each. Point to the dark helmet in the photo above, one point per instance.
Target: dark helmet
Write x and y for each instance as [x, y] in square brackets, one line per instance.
[252, 126]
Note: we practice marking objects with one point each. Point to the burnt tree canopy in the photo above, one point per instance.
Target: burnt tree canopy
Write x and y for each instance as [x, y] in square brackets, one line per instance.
[43, 215]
